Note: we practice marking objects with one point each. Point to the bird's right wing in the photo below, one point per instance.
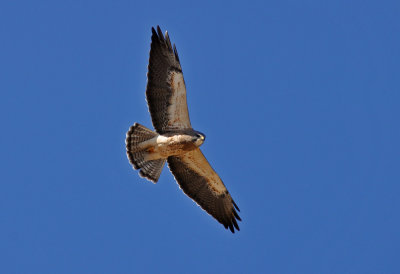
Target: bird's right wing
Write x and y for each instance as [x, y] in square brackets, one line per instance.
[166, 91]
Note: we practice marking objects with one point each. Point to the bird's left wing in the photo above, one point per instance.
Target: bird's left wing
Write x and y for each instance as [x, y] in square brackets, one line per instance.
[200, 182]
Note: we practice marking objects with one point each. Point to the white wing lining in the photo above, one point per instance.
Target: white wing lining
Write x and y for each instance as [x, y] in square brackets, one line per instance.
[178, 114]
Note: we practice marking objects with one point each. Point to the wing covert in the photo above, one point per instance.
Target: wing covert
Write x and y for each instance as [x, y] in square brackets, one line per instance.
[166, 91]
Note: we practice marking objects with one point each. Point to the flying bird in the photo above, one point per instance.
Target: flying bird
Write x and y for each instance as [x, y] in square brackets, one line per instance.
[174, 140]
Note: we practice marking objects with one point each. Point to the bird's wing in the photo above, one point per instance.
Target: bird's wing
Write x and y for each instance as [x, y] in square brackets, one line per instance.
[166, 91]
[200, 182]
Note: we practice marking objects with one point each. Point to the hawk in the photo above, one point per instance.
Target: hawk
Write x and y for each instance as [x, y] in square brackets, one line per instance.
[174, 140]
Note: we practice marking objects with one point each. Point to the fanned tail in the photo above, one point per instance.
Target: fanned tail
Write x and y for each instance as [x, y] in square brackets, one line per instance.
[136, 135]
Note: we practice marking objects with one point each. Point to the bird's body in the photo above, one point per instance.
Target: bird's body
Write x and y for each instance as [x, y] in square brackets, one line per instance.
[175, 141]
[163, 146]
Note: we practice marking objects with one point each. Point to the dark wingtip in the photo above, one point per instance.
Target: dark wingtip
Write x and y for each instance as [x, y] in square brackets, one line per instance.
[232, 225]
[160, 34]
[233, 202]
[176, 53]
[158, 37]
[168, 41]
[236, 215]
[163, 43]
[235, 224]
[154, 36]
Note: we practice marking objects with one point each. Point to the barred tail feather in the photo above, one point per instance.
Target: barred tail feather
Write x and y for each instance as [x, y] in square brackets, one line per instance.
[137, 134]
[151, 170]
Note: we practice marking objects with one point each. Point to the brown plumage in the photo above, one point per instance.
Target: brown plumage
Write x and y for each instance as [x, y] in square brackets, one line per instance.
[175, 141]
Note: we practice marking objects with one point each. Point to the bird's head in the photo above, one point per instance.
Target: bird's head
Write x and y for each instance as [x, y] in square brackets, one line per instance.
[198, 138]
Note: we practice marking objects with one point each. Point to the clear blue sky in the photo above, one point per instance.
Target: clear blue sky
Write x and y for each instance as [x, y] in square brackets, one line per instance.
[300, 102]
